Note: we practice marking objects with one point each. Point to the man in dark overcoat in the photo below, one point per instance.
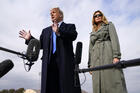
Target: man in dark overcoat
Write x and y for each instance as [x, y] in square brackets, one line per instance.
[58, 57]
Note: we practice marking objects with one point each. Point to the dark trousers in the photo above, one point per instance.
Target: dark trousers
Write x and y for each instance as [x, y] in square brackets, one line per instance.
[53, 85]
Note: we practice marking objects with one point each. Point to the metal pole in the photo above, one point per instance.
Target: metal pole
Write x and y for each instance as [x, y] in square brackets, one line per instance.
[119, 65]
[11, 51]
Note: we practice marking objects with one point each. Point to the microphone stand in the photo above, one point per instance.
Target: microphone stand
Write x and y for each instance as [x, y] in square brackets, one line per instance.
[14, 52]
[119, 65]
[23, 56]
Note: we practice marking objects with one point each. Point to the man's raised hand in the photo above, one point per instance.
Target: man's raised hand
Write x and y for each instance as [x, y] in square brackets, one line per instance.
[25, 35]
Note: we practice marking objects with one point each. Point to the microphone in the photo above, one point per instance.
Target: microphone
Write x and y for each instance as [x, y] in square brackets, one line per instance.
[31, 53]
[119, 65]
[77, 59]
[5, 67]
[33, 50]
[78, 53]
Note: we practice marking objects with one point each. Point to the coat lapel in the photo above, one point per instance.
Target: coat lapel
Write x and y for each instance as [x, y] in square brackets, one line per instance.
[62, 26]
[102, 26]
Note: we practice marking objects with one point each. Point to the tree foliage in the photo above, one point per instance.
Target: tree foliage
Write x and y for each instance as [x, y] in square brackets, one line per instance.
[20, 90]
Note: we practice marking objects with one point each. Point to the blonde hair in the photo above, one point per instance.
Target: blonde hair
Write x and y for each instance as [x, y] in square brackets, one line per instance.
[59, 10]
[104, 20]
[29, 91]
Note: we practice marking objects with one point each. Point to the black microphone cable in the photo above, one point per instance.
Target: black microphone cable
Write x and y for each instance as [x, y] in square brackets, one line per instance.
[28, 64]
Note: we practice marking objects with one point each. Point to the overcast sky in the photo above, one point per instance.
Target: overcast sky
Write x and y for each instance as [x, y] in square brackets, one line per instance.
[34, 15]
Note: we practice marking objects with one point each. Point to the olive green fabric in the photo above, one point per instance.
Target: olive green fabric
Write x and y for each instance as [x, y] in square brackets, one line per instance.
[103, 47]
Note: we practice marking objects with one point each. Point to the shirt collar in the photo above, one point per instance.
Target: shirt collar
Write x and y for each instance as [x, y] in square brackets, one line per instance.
[60, 23]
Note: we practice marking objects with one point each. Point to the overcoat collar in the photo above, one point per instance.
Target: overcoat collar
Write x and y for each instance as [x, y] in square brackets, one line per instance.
[101, 27]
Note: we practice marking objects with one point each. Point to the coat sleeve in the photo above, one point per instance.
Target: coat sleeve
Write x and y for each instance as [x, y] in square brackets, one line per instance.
[68, 32]
[27, 41]
[114, 41]
[41, 39]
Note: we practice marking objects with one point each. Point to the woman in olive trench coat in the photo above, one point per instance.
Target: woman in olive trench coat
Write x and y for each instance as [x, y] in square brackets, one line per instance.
[104, 49]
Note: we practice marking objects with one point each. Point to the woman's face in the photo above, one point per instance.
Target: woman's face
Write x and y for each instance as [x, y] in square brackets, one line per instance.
[98, 17]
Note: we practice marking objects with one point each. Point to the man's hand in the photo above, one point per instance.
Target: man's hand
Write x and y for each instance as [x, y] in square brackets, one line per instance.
[25, 35]
[55, 27]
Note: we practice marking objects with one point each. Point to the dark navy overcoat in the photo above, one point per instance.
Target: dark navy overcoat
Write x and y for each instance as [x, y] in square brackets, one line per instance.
[65, 54]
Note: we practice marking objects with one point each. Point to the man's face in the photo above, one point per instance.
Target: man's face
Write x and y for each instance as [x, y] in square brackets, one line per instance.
[55, 15]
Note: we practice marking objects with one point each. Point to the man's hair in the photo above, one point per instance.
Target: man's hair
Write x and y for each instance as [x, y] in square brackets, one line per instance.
[29, 91]
[60, 11]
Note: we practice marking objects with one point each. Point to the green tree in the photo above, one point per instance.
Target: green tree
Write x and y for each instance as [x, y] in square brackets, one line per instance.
[4, 91]
[20, 90]
[11, 91]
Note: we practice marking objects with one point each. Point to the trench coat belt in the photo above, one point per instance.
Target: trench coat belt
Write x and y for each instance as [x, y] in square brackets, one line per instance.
[99, 41]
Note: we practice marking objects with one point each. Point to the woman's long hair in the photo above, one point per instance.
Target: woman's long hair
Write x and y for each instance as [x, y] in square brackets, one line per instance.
[104, 20]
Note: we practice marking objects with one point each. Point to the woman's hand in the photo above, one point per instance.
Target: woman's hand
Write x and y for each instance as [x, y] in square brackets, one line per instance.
[116, 60]
[25, 35]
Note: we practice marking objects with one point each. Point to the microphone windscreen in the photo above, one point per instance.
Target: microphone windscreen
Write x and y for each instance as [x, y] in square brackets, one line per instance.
[5, 67]
[78, 53]
[33, 50]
